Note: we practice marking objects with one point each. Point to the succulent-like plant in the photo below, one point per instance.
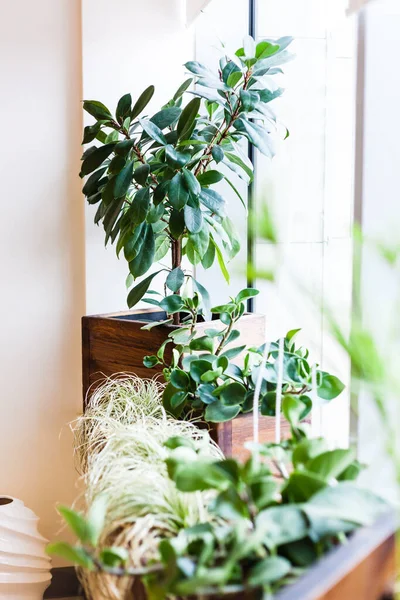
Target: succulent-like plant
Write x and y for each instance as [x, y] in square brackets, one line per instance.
[152, 177]
[209, 374]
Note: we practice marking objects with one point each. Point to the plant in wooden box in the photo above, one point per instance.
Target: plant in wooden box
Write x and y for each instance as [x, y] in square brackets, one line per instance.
[270, 519]
[152, 178]
[208, 376]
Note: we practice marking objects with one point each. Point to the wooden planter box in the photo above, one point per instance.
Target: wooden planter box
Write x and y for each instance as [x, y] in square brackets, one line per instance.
[115, 343]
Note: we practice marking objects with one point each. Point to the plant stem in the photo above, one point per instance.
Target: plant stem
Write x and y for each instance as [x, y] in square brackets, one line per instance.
[176, 250]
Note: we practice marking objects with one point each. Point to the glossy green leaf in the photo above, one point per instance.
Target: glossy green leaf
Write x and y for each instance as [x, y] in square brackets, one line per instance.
[153, 131]
[203, 343]
[213, 201]
[330, 387]
[332, 463]
[77, 523]
[238, 165]
[142, 101]
[124, 107]
[176, 224]
[140, 206]
[219, 413]
[140, 289]
[182, 88]
[217, 154]
[233, 394]
[193, 219]
[258, 135]
[141, 174]
[123, 181]
[92, 183]
[176, 159]
[97, 110]
[192, 184]
[180, 379]
[166, 117]
[177, 193]
[210, 177]
[265, 49]
[172, 304]
[246, 294]
[175, 279]
[74, 555]
[145, 258]
[96, 158]
[221, 262]
[187, 118]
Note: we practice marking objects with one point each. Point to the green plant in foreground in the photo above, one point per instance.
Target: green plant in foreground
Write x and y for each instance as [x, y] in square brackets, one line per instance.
[210, 374]
[276, 514]
[153, 177]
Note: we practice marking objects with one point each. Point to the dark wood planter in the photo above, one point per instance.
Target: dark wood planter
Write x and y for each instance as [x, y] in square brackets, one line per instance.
[115, 343]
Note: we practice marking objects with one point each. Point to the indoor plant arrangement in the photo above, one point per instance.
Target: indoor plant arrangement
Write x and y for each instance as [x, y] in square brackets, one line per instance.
[153, 180]
[202, 377]
[267, 520]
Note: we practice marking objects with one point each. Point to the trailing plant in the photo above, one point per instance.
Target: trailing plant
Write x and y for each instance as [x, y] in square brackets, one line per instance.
[275, 515]
[152, 177]
[216, 375]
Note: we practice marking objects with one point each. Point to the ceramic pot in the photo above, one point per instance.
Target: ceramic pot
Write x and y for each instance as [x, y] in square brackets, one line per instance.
[24, 564]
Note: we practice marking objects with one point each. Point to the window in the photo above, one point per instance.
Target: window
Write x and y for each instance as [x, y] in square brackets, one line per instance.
[309, 184]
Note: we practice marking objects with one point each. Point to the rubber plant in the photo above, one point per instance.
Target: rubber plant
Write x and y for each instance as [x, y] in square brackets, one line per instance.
[215, 375]
[152, 177]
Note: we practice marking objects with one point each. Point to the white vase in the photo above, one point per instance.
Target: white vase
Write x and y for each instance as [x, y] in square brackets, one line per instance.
[24, 564]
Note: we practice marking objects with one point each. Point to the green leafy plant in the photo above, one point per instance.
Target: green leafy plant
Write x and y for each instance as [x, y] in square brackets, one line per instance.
[216, 375]
[152, 177]
[275, 515]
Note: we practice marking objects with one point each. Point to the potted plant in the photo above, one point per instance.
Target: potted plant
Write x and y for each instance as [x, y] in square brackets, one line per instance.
[152, 179]
[269, 521]
[211, 373]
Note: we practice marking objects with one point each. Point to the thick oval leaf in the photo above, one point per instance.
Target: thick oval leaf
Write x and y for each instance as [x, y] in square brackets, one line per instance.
[176, 159]
[140, 289]
[233, 394]
[166, 117]
[204, 343]
[133, 242]
[141, 174]
[217, 154]
[145, 258]
[92, 184]
[219, 413]
[259, 136]
[179, 379]
[246, 294]
[142, 101]
[123, 181]
[210, 177]
[172, 304]
[188, 118]
[331, 464]
[177, 193]
[265, 49]
[175, 279]
[193, 220]
[96, 158]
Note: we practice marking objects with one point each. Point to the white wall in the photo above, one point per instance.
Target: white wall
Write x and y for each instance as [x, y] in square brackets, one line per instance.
[125, 49]
[42, 251]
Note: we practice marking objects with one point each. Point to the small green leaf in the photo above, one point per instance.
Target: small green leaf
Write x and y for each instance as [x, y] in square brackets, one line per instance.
[330, 387]
[213, 201]
[175, 279]
[221, 262]
[141, 174]
[140, 289]
[77, 523]
[265, 49]
[114, 557]
[246, 294]
[97, 110]
[202, 343]
[233, 394]
[142, 101]
[182, 88]
[172, 304]
[180, 379]
[73, 554]
[124, 107]
[150, 361]
[176, 159]
[331, 464]
[166, 117]
[210, 177]
[139, 206]
[217, 154]
[96, 518]
[176, 223]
